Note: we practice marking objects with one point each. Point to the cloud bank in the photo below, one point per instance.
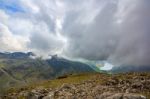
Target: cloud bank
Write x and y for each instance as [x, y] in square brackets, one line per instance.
[113, 30]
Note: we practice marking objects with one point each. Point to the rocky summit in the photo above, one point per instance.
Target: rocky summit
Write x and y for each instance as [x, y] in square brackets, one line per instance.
[87, 86]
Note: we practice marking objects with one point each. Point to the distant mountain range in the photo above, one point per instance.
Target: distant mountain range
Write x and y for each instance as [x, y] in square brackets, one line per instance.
[131, 68]
[16, 55]
[18, 68]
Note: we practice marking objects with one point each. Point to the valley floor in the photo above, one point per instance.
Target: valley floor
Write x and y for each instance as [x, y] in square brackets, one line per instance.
[87, 86]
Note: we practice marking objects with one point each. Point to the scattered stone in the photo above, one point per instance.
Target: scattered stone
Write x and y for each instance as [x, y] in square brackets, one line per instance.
[108, 95]
[111, 87]
[49, 96]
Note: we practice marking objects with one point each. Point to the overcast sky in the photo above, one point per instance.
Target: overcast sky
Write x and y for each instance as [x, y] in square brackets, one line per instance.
[114, 30]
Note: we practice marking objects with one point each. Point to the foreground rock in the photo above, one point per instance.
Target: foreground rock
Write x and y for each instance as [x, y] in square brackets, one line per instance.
[108, 95]
[131, 86]
[105, 95]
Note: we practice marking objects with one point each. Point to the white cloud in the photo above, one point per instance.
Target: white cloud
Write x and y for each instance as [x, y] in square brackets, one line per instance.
[10, 42]
[116, 30]
[3, 17]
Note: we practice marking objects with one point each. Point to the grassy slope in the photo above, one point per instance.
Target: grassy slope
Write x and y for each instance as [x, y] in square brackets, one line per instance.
[69, 79]
[21, 72]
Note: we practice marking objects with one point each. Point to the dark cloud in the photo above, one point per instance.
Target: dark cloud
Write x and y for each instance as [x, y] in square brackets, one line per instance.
[120, 37]
[95, 40]
[133, 47]
[113, 30]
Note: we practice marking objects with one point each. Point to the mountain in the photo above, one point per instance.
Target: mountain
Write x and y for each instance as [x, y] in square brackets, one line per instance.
[19, 69]
[131, 68]
[15, 55]
[61, 65]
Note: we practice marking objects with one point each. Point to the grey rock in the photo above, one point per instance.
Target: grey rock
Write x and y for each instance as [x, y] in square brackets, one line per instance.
[133, 96]
[49, 96]
[108, 95]
[32, 95]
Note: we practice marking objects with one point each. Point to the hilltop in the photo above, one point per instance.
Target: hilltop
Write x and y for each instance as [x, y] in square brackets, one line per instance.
[87, 86]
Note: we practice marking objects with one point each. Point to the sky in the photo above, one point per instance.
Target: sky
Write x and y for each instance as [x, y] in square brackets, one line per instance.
[113, 30]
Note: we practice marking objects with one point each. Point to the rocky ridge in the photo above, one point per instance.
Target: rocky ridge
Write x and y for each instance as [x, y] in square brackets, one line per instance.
[99, 86]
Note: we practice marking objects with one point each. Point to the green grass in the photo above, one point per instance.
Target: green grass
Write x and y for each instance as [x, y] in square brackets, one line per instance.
[2, 65]
[71, 79]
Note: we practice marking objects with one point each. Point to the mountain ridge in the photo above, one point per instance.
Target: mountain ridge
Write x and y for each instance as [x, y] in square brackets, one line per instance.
[17, 69]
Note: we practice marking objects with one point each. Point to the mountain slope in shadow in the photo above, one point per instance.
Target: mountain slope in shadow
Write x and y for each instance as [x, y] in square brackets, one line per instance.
[18, 69]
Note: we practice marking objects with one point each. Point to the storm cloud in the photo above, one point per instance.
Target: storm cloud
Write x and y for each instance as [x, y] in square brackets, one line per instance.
[113, 30]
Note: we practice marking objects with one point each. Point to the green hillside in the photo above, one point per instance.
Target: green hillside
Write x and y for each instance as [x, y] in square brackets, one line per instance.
[16, 71]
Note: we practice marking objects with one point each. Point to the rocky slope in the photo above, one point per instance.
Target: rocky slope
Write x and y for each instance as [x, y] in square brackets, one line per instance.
[88, 86]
